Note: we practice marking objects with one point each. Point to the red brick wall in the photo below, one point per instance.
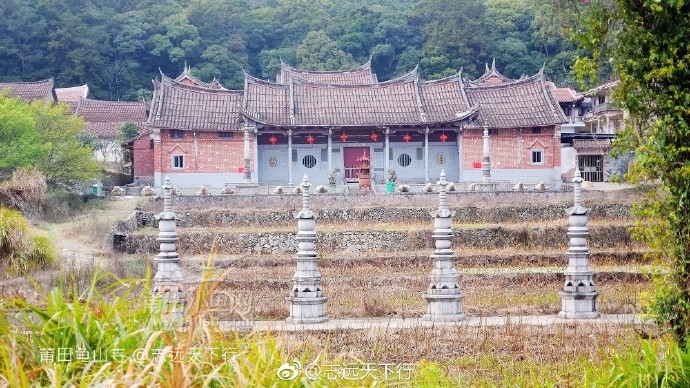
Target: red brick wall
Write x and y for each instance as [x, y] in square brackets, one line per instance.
[205, 153]
[142, 163]
[510, 149]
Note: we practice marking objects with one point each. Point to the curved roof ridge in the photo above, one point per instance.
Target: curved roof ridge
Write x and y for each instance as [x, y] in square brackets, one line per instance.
[408, 78]
[365, 66]
[202, 89]
[412, 75]
[250, 78]
[457, 77]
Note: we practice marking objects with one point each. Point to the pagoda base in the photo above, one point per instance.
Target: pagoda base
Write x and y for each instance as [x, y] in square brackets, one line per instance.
[581, 305]
[443, 308]
[307, 310]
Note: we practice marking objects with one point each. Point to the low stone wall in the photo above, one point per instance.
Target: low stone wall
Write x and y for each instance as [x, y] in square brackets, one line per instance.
[239, 202]
[232, 218]
[493, 237]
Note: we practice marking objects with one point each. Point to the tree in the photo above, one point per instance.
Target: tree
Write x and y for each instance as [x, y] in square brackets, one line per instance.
[45, 137]
[646, 41]
[319, 52]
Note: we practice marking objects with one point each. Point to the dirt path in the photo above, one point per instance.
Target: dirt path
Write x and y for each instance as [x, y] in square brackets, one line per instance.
[84, 238]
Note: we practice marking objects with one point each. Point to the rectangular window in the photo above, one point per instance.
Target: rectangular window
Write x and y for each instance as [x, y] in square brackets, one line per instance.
[178, 161]
[378, 149]
[225, 135]
[537, 156]
[390, 153]
[294, 155]
[176, 134]
[536, 130]
[324, 155]
[420, 153]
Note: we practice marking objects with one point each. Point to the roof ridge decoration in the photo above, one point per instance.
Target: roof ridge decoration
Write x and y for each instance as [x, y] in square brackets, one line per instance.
[192, 80]
[491, 75]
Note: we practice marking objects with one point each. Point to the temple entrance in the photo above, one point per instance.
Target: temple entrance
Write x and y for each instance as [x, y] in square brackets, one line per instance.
[351, 164]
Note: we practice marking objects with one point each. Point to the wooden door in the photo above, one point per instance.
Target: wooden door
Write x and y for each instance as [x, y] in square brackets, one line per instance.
[351, 164]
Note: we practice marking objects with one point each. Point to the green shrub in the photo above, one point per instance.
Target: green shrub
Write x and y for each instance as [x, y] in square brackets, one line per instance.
[657, 363]
[18, 250]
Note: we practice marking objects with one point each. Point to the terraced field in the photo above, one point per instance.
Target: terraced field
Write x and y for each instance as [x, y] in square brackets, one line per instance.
[510, 253]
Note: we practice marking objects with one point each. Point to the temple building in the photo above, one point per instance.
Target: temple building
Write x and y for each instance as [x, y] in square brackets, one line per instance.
[323, 123]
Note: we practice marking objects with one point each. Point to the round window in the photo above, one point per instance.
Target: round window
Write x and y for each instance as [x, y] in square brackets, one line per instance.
[404, 160]
[309, 161]
[273, 161]
[440, 159]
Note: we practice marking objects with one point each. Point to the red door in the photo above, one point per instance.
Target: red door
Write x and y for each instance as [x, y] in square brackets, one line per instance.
[351, 164]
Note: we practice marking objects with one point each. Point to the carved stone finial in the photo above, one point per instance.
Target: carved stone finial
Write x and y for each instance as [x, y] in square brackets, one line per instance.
[579, 295]
[443, 295]
[168, 290]
[307, 302]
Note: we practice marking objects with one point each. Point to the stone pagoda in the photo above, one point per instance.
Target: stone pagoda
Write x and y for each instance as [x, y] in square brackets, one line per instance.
[168, 293]
[443, 296]
[307, 302]
[579, 296]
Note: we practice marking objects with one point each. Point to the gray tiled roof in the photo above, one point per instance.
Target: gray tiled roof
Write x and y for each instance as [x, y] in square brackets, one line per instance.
[359, 75]
[72, 94]
[353, 105]
[526, 102]
[266, 102]
[443, 100]
[104, 118]
[30, 91]
[179, 106]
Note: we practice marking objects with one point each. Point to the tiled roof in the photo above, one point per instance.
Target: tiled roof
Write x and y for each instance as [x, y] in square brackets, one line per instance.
[193, 108]
[443, 100]
[357, 76]
[72, 94]
[564, 95]
[354, 105]
[523, 103]
[104, 118]
[603, 87]
[266, 102]
[30, 91]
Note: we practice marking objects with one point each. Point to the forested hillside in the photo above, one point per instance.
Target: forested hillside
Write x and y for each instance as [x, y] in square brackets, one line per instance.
[118, 46]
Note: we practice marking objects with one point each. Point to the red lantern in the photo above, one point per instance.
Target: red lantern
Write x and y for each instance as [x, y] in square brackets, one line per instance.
[311, 139]
[343, 136]
[443, 137]
[273, 139]
[407, 137]
[374, 136]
